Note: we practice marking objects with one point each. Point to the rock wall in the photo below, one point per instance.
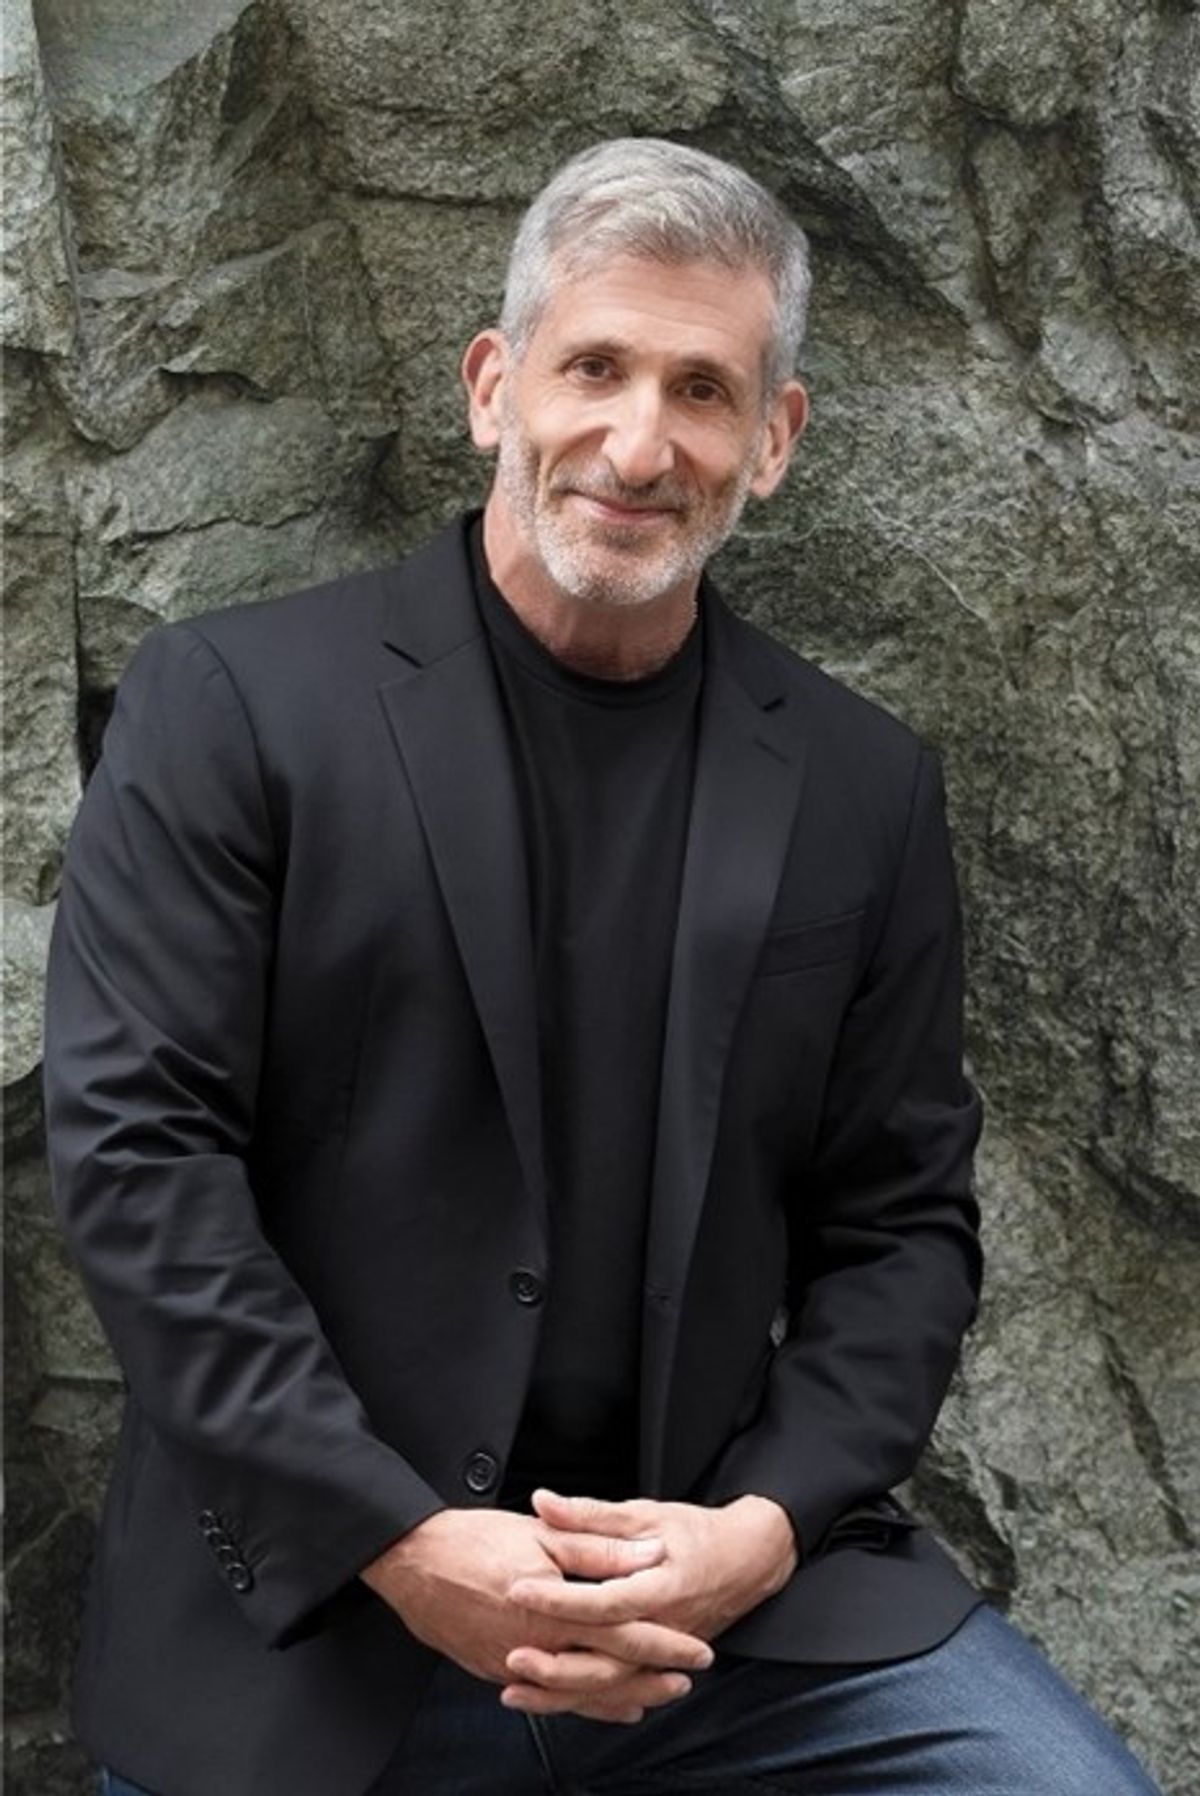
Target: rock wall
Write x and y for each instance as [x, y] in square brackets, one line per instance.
[244, 244]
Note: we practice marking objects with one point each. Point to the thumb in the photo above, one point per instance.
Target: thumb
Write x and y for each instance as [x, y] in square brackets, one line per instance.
[590, 1515]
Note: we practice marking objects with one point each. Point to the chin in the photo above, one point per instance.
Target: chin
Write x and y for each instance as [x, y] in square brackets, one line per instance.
[609, 576]
[620, 588]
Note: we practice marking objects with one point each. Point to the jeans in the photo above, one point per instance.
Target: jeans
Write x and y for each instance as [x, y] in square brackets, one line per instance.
[981, 1715]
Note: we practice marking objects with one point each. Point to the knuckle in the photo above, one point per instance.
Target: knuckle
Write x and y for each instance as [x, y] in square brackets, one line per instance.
[647, 1645]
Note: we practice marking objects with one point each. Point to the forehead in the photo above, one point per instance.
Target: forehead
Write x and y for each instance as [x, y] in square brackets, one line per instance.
[682, 311]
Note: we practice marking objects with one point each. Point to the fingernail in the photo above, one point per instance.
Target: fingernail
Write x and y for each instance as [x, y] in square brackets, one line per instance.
[646, 1549]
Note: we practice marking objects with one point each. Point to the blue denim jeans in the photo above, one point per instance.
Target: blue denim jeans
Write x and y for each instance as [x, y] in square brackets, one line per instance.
[981, 1715]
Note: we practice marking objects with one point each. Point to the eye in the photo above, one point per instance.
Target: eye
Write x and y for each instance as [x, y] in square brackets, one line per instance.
[703, 391]
[592, 368]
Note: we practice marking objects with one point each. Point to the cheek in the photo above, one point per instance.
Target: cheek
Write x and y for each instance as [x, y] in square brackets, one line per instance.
[723, 487]
[569, 452]
[558, 437]
[721, 461]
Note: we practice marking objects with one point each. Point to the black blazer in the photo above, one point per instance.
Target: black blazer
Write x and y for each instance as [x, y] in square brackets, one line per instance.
[294, 1116]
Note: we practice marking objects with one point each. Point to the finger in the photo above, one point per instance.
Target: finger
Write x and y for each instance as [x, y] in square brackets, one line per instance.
[652, 1644]
[640, 1646]
[594, 1515]
[626, 1700]
[618, 1600]
[645, 1645]
[531, 1700]
[587, 1555]
[598, 1711]
[587, 1673]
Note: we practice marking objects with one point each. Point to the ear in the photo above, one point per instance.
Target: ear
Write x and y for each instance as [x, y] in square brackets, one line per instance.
[484, 367]
[784, 428]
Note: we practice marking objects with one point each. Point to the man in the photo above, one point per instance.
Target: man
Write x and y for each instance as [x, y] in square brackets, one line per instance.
[504, 1077]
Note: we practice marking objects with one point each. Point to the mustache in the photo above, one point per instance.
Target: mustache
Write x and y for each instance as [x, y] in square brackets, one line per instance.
[667, 493]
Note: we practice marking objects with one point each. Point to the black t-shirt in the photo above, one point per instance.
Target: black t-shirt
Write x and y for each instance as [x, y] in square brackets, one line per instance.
[604, 771]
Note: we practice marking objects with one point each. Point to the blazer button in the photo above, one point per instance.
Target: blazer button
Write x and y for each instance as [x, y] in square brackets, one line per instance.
[241, 1577]
[526, 1286]
[480, 1473]
[210, 1522]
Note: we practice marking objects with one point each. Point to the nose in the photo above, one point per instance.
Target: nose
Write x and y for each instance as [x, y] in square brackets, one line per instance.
[638, 442]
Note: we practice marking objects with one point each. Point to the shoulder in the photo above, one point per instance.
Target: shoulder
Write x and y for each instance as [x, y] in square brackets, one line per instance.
[229, 676]
[864, 775]
[317, 619]
[328, 637]
[828, 713]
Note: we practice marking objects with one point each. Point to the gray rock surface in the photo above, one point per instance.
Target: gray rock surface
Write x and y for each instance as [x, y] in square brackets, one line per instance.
[40, 678]
[25, 931]
[246, 244]
[36, 310]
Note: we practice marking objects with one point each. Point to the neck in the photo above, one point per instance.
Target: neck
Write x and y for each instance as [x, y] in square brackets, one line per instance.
[610, 642]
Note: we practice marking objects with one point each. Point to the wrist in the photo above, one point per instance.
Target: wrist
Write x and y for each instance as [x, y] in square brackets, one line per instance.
[381, 1573]
[769, 1536]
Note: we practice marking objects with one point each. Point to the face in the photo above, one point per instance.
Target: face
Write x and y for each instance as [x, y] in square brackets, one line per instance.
[634, 426]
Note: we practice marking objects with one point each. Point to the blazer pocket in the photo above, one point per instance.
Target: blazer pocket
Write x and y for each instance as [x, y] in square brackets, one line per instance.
[815, 944]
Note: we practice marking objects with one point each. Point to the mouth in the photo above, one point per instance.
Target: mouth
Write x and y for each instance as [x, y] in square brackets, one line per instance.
[622, 512]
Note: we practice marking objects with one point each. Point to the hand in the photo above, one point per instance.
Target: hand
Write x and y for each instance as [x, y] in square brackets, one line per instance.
[450, 1580]
[716, 1565]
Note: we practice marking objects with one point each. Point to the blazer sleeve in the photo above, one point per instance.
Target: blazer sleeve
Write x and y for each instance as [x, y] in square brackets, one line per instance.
[884, 1258]
[157, 996]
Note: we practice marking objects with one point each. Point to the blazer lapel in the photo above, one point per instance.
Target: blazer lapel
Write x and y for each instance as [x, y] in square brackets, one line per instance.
[445, 715]
[749, 769]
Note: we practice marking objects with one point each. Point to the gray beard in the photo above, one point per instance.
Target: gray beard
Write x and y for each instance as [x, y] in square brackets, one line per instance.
[566, 557]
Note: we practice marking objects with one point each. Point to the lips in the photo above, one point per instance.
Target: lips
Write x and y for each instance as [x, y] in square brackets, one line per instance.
[626, 514]
[621, 511]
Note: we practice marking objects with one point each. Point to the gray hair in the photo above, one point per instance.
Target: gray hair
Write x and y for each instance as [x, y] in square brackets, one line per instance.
[645, 196]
